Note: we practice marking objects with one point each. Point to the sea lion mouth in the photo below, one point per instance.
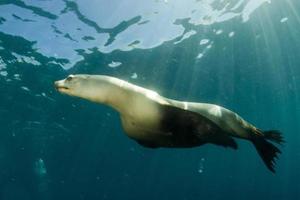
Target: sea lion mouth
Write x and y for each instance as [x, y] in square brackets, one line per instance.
[61, 87]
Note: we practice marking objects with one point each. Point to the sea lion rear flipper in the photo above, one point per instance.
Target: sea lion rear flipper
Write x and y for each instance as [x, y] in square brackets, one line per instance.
[267, 151]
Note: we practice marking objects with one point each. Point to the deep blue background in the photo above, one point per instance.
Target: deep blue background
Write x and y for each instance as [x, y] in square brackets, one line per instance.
[82, 146]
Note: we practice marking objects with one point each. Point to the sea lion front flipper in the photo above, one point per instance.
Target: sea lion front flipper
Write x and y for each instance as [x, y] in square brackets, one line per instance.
[224, 140]
[190, 128]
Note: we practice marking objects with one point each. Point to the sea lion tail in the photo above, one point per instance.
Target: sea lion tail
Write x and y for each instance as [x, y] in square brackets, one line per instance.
[268, 151]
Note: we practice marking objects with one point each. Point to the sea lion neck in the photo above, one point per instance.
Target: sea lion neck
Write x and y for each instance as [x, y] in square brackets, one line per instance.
[114, 93]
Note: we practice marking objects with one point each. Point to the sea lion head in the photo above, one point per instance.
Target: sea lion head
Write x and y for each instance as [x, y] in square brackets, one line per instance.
[73, 85]
[92, 87]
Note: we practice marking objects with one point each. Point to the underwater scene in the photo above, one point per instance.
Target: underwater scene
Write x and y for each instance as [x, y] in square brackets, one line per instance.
[243, 55]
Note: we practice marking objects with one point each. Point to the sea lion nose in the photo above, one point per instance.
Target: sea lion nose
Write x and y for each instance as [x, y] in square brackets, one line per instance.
[58, 84]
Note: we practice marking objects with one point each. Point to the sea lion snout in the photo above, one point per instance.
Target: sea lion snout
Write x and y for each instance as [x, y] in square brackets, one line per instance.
[61, 86]
[56, 84]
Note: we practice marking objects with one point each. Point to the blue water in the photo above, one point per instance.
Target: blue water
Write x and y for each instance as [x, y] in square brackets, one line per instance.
[241, 54]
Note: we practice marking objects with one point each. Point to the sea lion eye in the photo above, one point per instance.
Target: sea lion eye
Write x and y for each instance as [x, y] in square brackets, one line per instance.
[69, 78]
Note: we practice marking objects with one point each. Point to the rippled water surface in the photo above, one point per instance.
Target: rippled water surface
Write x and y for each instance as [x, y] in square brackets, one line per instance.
[241, 54]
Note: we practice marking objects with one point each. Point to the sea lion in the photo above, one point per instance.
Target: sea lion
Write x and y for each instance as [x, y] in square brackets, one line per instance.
[155, 121]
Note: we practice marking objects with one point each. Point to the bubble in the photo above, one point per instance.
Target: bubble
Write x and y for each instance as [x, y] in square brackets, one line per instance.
[204, 41]
[284, 19]
[134, 76]
[25, 88]
[40, 168]
[218, 32]
[231, 34]
[3, 73]
[114, 64]
[201, 166]
[200, 55]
